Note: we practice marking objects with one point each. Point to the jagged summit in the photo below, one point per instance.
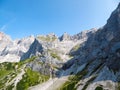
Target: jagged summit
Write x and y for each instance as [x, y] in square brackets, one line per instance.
[4, 41]
[65, 37]
[114, 21]
[118, 5]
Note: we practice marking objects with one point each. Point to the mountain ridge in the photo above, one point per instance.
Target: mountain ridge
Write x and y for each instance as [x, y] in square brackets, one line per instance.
[25, 43]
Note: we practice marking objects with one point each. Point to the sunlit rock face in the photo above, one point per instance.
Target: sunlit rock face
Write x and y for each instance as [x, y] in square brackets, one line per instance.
[16, 50]
[4, 41]
[12, 50]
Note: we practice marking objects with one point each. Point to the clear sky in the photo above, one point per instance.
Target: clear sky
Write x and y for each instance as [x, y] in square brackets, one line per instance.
[20, 18]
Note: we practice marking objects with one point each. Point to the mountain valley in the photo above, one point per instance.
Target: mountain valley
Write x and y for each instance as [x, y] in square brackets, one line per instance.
[89, 60]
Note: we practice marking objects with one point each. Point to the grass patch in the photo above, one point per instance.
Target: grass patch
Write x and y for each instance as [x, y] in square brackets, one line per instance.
[26, 61]
[68, 86]
[73, 80]
[6, 68]
[47, 38]
[118, 86]
[54, 55]
[76, 47]
[10, 87]
[6, 71]
[31, 78]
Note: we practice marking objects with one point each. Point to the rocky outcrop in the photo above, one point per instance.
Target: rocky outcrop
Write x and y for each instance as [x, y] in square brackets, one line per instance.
[65, 37]
[4, 41]
[34, 50]
[13, 50]
[84, 34]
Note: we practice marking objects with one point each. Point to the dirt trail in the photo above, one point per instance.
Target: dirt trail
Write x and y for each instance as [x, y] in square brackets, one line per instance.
[52, 84]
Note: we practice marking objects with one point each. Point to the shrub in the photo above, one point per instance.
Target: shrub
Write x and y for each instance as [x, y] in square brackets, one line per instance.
[10, 87]
[98, 88]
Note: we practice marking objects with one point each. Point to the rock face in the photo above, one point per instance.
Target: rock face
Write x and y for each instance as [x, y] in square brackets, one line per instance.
[100, 57]
[65, 37]
[4, 41]
[13, 50]
[84, 34]
[34, 50]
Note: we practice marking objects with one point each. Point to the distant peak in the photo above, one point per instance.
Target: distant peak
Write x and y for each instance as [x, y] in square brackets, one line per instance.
[117, 9]
[65, 37]
[118, 5]
[114, 20]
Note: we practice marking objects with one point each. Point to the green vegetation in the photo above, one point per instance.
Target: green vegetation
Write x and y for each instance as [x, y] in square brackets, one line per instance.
[118, 87]
[26, 61]
[12, 75]
[10, 87]
[70, 84]
[98, 88]
[54, 55]
[76, 47]
[47, 38]
[6, 70]
[88, 82]
[31, 78]
[73, 80]
[70, 56]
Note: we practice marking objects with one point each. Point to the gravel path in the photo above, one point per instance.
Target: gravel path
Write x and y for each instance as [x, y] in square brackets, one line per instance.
[52, 84]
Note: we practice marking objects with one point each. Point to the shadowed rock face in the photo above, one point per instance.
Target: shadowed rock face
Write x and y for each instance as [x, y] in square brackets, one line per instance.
[14, 51]
[65, 37]
[34, 50]
[101, 55]
[105, 43]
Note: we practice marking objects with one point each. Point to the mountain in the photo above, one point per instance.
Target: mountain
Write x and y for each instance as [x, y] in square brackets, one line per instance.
[89, 60]
[4, 41]
[98, 59]
[11, 51]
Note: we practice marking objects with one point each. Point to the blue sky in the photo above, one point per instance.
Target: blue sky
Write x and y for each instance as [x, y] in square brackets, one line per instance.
[21, 18]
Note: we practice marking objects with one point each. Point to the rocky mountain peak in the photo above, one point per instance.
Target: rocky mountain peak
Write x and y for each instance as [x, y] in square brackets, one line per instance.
[4, 41]
[1, 35]
[4, 36]
[65, 37]
[113, 23]
[118, 5]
